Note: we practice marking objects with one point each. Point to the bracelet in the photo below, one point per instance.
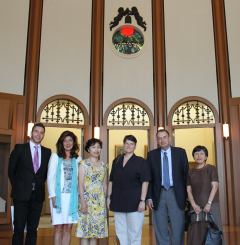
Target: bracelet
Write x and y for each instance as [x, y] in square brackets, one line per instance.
[209, 202]
[142, 200]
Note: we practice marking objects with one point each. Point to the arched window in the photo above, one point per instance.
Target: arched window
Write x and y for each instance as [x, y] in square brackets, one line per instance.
[128, 114]
[63, 110]
[193, 112]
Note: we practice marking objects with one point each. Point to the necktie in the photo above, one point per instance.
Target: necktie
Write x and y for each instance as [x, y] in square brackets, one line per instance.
[166, 179]
[35, 159]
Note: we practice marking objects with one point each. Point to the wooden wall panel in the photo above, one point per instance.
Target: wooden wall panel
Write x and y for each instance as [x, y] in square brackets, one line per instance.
[11, 126]
[4, 113]
[32, 59]
[19, 122]
[159, 63]
[235, 139]
[12, 114]
[224, 95]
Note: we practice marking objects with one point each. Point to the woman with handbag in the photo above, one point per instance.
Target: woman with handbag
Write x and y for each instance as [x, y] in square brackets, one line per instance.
[202, 189]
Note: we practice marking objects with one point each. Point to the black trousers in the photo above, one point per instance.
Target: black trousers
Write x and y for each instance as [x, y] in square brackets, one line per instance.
[26, 213]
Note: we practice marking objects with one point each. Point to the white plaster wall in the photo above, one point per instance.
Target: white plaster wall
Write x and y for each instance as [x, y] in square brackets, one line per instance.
[128, 77]
[190, 55]
[232, 8]
[13, 42]
[65, 50]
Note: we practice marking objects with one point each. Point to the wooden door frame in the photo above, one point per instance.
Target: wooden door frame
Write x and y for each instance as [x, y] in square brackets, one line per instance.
[104, 129]
[219, 146]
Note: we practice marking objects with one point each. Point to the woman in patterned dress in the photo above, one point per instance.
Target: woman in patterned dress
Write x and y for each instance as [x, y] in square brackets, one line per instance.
[92, 222]
[62, 186]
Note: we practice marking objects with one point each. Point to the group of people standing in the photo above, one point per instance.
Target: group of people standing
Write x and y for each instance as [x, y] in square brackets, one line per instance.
[81, 193]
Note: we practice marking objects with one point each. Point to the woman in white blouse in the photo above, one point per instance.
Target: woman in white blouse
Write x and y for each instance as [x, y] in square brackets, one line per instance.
[63, 187]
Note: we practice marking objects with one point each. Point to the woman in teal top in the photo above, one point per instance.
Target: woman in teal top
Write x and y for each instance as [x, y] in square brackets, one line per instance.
[63, 187]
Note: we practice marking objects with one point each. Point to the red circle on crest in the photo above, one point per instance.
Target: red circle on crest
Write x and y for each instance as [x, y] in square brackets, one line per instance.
[127, 31]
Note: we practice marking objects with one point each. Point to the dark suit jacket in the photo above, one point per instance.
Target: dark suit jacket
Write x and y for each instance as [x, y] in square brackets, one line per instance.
[179, 172]
[22, 175]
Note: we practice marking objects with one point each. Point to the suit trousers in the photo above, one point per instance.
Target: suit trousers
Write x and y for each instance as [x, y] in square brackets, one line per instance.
[129, 227]
[26, 212]
[168, 220]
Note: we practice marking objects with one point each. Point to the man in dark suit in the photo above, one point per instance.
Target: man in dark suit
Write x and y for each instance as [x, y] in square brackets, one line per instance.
[167, 190]
[27, 171]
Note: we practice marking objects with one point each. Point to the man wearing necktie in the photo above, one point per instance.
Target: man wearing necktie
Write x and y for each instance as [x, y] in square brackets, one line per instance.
[27, 171]
[167, 190]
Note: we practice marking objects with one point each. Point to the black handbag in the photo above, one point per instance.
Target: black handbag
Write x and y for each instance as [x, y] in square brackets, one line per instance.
[187, 215]
[214, 236]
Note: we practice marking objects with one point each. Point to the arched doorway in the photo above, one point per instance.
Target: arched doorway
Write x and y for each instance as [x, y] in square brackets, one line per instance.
[128, 116]
[195, 121]
[60, 113]
[123, 117]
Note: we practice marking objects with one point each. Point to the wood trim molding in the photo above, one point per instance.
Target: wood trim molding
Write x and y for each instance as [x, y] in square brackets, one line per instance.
[190, 98]
[32, 59]
[235, 101]
[67, 97]
[159, 63]
[224, 95]
[96, 80]
[235, 139]
[222, 63]
[15, 97]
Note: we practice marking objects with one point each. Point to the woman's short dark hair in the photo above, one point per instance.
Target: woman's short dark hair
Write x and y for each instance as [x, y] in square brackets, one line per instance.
[60, 148]
[92, 142]
[131, 138]
[38, 124]
[200, 148]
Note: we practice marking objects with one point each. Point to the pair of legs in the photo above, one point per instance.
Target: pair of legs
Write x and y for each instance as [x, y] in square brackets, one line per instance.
[26, 213]
[62, 234]
[168, 220]
[129, 227]
[86, 241]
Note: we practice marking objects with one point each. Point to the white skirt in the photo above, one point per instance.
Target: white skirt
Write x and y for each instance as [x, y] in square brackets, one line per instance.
[63, 217]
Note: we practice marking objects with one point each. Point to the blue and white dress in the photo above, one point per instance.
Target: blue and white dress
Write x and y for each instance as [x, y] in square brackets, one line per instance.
[66, 184]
